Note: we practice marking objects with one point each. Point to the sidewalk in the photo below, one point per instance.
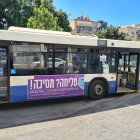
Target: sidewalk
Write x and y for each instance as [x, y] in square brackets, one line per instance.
[117, 124]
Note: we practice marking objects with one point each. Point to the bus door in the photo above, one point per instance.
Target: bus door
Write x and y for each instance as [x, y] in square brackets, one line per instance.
[127, 72]
[3, 74]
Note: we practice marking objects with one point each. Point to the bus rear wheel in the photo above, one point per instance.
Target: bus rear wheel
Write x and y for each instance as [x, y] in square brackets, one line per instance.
[97, 90]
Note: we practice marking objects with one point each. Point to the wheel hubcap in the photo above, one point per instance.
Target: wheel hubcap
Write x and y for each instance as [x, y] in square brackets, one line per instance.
[98, 89]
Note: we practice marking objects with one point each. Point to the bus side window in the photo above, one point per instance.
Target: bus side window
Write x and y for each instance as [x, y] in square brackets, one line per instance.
[95, 65]
[79, 61]
[60, 61]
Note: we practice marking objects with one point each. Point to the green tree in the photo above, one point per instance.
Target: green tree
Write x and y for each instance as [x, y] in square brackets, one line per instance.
[62, 17]
[2, 14]
[63, 21]
[48, 4]
[111, 32]
[43, 19]
[10, 13]
[27, 9]
[17, 13]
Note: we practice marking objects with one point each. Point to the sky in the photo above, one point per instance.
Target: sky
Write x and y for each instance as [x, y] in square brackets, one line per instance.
[115, 12]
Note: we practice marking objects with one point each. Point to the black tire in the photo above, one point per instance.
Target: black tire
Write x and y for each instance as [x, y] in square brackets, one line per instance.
[97, 90]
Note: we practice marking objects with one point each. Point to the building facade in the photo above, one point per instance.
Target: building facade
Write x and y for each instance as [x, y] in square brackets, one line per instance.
[84, 25]
[132, 30]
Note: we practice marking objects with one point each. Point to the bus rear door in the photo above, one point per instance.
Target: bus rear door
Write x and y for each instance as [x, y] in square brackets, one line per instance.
[127, 72]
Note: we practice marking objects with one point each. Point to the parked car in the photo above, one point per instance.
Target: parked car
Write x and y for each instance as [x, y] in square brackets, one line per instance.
[49, 62]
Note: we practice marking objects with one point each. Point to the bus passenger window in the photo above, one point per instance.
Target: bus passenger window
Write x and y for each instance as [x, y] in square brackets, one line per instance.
[79, 61]
[95, 65]
[101, 63]
[60, 61]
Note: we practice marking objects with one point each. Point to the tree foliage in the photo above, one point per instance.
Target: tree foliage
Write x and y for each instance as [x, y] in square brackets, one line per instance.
[63, 21]
[111, 32]
[43, 19]
[17, 13]
[10, 13]
[27, 8]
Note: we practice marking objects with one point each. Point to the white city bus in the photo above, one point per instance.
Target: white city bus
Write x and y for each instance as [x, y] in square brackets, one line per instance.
[37, 64]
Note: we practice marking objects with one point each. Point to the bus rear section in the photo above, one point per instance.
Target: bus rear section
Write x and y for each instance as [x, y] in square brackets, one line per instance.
[4, 73]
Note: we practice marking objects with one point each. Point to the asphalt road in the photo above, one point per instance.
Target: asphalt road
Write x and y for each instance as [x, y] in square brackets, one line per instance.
[34, 112]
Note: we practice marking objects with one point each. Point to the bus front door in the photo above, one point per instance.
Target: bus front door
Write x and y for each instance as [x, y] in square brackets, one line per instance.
[127, 72]
[3, 75]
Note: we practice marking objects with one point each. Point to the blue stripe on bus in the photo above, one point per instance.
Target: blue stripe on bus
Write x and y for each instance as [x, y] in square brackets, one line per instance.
[18, 94]
[111, 87]
[86, 88]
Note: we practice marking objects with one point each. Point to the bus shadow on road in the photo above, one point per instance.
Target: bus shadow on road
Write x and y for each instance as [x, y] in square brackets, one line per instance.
[18, 114]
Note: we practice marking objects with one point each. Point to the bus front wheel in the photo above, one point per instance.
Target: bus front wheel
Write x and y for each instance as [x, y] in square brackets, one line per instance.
[97, 89]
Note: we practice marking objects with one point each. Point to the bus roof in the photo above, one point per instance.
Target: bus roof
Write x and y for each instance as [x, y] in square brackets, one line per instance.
[55, 37]
[40, 36]
[29, 30]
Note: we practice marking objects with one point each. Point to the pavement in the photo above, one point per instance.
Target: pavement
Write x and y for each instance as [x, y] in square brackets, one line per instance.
[115, 118]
